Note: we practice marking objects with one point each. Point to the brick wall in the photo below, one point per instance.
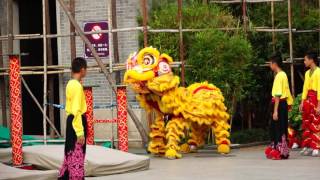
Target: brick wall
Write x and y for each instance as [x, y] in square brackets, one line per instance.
[127, 11]
[95, 10]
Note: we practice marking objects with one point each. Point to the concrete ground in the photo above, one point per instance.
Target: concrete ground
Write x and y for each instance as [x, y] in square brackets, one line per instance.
[241, 164]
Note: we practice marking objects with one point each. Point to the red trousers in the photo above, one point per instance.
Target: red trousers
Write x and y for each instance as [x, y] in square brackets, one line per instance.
[310, 122]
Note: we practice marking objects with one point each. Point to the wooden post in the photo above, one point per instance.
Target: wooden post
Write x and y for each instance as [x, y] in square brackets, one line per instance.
[181, 48]
[107, 75]
[144, 22]
[10, 26]
[291, 48]
[72, 31]
[15, 110]
[50, 62]
[273, 33]
[115, 38]
[3, 92]
[9, 44]
[244, 15]
[110, 34]
[39, 106]
[44, 29]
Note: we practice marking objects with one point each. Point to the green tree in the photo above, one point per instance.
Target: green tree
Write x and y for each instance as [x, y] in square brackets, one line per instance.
[223, 58]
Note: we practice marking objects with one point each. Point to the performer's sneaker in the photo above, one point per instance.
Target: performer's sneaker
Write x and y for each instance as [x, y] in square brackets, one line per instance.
[307, 152]
[295, 146]
[193, 148]
[303, 150]
[315, 153]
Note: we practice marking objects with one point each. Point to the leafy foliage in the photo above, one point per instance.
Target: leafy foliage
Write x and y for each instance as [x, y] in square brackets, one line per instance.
[305, 15]
[222, 58]
[229, 59]
[295, 118]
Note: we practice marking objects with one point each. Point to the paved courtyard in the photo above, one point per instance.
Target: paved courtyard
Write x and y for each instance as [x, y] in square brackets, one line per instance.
[241, 164]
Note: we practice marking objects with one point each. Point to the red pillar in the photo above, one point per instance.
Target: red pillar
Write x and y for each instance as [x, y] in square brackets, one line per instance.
[122, 118]
[15, 109]
[89, 115]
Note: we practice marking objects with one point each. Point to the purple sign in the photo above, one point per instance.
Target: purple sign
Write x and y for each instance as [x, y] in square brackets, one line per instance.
[99, 41]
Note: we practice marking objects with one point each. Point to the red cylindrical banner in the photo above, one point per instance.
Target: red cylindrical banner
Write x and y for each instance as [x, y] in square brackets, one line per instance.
[89, 115]
[15, 109]
[122, 118]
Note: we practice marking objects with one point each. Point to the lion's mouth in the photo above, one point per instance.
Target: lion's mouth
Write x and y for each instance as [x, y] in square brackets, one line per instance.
[139, 87]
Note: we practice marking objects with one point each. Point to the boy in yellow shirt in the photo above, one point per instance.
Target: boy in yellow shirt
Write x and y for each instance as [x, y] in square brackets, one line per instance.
[76, 125]
[310, 106]
[281, 99]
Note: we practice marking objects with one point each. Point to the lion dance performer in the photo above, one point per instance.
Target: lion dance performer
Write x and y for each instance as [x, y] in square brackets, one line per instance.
[310, 106]
[182, 113]
[281, 100]
[76, 125]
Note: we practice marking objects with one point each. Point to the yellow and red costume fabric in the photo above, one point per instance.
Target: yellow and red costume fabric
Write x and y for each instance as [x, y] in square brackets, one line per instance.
[310, 119]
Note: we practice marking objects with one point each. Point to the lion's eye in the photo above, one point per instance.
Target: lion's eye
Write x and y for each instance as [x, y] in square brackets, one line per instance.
[164, 68]
[148, 59]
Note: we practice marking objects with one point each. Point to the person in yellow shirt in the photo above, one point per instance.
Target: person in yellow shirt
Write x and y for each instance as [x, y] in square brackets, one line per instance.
[281, 99]
[76, 125]
[310, 106]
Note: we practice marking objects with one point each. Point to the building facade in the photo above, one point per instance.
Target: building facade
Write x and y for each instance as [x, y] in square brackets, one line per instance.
[85, 11]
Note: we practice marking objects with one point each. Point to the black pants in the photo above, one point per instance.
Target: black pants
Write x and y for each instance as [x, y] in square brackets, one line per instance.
[74, 153]
[71, 137]
[280, 127]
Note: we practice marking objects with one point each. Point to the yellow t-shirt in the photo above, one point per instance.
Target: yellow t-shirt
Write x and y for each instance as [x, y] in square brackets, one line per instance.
[280, 87]
[76, 104]
[311, 82]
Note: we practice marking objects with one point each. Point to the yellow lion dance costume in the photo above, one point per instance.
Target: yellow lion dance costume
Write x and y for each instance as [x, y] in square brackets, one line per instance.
[182, 113]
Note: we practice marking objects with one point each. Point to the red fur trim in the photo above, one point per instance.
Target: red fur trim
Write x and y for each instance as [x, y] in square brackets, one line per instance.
[314, 128]
[306, 134]
[314, 145]
[315, 138]
[306, 142]
[202, 87]
[225, 142]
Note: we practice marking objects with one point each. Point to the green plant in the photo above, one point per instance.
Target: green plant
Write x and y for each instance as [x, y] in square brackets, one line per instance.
[295, 118]
[305, 15]
[222, 58]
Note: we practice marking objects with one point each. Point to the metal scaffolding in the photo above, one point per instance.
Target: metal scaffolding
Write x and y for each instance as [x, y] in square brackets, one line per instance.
[114, 66]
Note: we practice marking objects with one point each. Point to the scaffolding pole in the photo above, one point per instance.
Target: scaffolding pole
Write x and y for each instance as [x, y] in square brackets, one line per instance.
[3, 92]
[110, 35]
[39, 106]
[181, 48]
[45, 76]
[291, 48]
[249, 1]
[149, 29]
[73, 50]
[273, 33]
[144, 22]
[115, 39]
[50, 92]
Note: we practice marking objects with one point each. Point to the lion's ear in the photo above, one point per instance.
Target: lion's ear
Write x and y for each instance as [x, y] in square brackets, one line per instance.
[166, 57]
[150, 51]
